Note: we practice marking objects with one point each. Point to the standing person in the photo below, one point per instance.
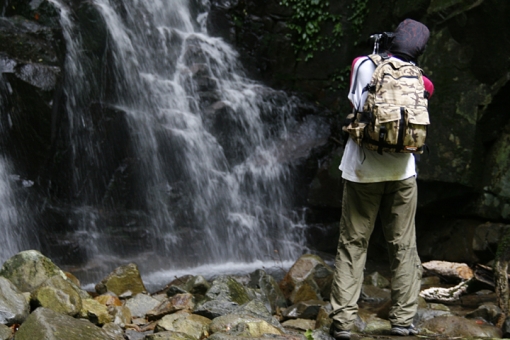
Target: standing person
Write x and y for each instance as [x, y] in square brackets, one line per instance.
[383, 184]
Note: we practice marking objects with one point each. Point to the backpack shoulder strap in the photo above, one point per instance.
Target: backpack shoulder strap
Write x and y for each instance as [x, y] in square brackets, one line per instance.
[357, 71]
[378, 59]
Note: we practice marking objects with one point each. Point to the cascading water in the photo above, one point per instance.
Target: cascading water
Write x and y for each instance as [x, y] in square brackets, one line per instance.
[15, 232]
[10, 238]
[209, 167]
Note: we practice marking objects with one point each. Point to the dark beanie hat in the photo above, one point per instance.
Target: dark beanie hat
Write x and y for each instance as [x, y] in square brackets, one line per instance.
[410, 39]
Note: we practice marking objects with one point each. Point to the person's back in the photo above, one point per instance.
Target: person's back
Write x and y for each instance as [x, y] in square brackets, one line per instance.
[383, 184]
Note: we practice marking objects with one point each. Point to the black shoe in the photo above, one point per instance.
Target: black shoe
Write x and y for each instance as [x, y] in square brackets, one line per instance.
[404, 331]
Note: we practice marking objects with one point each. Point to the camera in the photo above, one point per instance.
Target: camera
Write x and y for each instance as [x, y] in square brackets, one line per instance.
[382, 41]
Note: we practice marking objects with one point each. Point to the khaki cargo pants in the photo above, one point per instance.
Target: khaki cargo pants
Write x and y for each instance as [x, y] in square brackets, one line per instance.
[395, 202]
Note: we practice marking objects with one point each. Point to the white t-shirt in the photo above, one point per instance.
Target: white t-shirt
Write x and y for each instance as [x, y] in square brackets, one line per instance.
[367, 166]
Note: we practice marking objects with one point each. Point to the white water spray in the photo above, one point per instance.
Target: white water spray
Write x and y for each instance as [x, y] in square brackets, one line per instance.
[15, 233]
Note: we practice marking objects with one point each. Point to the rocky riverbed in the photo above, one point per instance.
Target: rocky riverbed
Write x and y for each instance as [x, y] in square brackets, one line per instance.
[40, 301]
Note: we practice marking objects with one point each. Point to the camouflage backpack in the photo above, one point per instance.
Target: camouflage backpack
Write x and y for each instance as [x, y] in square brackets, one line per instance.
[395, 115]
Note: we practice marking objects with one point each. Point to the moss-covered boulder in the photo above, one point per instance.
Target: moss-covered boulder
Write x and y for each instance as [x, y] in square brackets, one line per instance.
[224, 296]
[29, 269]
[58, 295]
[95, 312]
[123, 279]
[44, 323]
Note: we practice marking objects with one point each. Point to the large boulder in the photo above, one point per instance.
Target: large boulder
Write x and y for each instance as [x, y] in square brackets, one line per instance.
[29, 269]
[224, 296]
[14, 307]
[309, 278]
[44, 323]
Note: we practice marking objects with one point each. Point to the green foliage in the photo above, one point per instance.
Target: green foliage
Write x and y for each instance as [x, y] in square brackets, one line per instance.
[308, 21]
[360, 11]
[316, 29]
[309, 334]
[341, 77]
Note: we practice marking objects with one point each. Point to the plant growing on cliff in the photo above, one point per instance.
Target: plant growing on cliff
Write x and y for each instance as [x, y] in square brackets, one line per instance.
[359, 10]
[309, 21]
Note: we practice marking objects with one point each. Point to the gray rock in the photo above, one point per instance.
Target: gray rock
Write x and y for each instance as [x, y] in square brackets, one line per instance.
[195, 326]
[29, 269]
[44, 323]
[115, 331]
[256, 308]
[269, 288]
[141, 304]
[14, 307]
[134, 335]
[169, 335]
[121, 315]
[506, 328]
[455, 326]
[224, 296]
[424, 314]
[375, 294]
[304, 310]
[319, 334]
[174, 303]
[224, 336]
[488, 312]
[299, 324]
[376, 279]
[243, 326]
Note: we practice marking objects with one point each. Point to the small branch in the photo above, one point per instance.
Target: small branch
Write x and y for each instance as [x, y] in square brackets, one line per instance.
[447, 294]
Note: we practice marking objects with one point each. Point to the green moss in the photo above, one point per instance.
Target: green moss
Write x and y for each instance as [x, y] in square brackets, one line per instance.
[238, 293]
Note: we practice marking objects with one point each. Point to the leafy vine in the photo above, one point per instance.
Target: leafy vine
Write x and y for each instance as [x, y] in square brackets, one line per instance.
[360, 12]
[308, 21]
[317, 29]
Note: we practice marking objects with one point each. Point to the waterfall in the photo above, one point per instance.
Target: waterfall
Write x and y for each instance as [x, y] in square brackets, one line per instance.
[208, 147]
[15, 234]
[10, 237]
